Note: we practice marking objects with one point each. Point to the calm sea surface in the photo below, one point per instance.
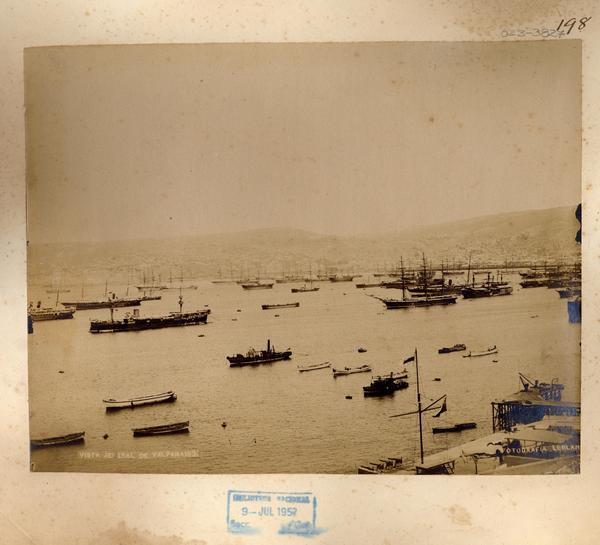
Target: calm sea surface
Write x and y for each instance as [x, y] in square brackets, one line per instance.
[280, 420]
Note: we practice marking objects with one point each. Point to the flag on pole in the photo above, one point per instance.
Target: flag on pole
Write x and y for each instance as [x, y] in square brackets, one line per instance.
[408, 360]
[443, 409]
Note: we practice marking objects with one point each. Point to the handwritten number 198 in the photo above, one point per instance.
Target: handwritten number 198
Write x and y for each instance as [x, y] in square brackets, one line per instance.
[570, 24]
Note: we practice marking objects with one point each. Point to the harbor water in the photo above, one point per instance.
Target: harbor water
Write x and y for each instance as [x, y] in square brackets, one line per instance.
[271, 418]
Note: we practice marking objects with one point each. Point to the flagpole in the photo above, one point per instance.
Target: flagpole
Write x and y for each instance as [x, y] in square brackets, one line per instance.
[419, 405]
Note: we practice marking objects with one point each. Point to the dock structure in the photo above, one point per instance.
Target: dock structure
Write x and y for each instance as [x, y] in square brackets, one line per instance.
[507, 414]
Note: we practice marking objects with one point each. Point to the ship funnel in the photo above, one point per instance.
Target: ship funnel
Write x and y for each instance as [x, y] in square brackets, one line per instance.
[136, 312]
[268, 345]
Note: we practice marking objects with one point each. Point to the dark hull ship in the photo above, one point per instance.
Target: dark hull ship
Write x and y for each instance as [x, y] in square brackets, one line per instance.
[256, 357]
[280, 305]
[139, 323]
[69, 439]
[164, 429]
[474, 292]
[385, 385]
[419, 302]
[113, 302]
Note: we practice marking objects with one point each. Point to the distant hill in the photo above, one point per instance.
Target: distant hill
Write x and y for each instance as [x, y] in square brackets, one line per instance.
[535, 235]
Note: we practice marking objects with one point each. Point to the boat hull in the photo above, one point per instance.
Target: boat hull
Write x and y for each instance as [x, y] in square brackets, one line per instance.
[93, 305]
[285, 305]
[236, 362]
[70, 439]
[52, 315]
[166, 429]
[142, 324]
[113, 405]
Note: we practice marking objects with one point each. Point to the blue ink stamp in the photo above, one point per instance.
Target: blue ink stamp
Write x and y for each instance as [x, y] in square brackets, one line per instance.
[290, 513]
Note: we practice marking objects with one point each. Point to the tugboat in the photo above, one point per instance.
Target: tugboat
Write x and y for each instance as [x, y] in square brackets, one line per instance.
[255, 357]
[455, 348]
[136, 322]
[385, 385]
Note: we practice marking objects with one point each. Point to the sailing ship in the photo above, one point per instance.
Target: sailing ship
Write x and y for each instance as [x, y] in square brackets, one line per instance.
[135, 322]
[424, 300]
[385, 385]
[420, 409]
[279, 305]
[256, 357]
[118, 404]
[164, 429]
[489, 288]
[70, 439]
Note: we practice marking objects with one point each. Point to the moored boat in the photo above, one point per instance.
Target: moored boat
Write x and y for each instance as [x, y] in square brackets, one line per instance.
[454, 427]
[305, 289]
[351, 370]
[280, 305]
[489, 351]
[385, 385]
[163, 429]
[135, 322]
[314, 367]
[131, 403]
[69, 439]
[256, 357]
[257, 285]
[110, 302]
[455, 348]
[43, 314]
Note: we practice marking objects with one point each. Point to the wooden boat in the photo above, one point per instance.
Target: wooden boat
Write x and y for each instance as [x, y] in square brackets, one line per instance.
[255, 357]
[455, 348]
[382, 466]
[280, 305]
[164, 429]
[489, 351]
[351, 370]
[69, 439]
[385, 385]
[314, 367]
[454, 428]
[116, 404]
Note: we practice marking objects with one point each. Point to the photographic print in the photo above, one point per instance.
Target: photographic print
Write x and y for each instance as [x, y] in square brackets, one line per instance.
[349, 258]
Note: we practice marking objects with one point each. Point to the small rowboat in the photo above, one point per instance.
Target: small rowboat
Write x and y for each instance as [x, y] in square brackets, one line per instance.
[455, 428]
[351, 370]
[70, 439]
[488, 352]
[116, 404]
[177, 427]
[314, 367]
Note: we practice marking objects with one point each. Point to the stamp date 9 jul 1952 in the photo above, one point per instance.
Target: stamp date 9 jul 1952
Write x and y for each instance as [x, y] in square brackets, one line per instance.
[251, 512]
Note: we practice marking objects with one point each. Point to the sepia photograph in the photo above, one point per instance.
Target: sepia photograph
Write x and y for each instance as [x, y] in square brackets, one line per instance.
[305, 258]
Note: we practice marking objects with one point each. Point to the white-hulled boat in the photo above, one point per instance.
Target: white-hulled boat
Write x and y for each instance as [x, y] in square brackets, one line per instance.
[491, 350]
[314, 367]
[351, 370]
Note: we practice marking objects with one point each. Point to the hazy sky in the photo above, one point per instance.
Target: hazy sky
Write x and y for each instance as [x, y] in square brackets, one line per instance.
[158, 141]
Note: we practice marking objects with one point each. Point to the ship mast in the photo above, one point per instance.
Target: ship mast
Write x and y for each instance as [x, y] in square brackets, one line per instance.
[419, 406]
